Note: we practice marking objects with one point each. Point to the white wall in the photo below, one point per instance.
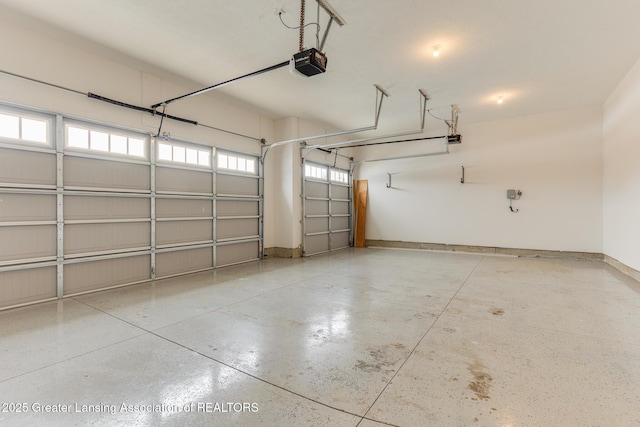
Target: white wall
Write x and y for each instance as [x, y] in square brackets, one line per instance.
[281, 165]
[40, 52]
[554, 158]
[621, 192]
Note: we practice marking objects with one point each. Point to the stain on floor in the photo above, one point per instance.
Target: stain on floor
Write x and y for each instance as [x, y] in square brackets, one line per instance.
[380, 361]
[482, 380]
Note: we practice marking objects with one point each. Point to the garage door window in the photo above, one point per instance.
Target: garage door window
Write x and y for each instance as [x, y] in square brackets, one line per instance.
[315, 172]
[24, 129]
[182, 154]
[99, 140]
[237, 163]
[339, 176]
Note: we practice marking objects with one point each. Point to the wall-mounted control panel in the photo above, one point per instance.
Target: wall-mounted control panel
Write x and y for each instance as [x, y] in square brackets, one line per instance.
[513, 194]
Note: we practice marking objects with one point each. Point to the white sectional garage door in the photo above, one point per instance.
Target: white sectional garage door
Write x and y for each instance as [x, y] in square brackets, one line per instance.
[105, 202]
[326, 209]
[28, 207]
[85, 207]
[183, 207]
[238, 208]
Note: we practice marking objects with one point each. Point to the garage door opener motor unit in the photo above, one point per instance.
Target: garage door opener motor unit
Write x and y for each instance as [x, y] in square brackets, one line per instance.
[310, 62]
[313, 61]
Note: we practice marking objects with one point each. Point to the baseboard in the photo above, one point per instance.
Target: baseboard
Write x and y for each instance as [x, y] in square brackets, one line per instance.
[486, 250]
[624, 268]
[283, 252]
[534, 253]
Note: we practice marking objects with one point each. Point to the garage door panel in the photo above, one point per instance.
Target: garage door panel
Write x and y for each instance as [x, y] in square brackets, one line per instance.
[25, 286]
[237, 228]
[339, 192]
[100, 274]
[173, 180]
[339, 223]
[315, 225]
[27, 207]
[27, 242]
[237, 185]
[183, 208]
[96, 207]
[181, 232]
[27, 168]
[339, 208]
[316, 244]
[317, 189]
[237, 253]
[88, 238]
[317, 207]
[184, 261]
[237, 207]
[105, 174]
[339, 240]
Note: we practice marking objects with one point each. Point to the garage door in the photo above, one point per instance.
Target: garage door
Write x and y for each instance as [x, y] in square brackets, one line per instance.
[238, 208]
[106, 215]
[84, 206]
[326, 209]
[183, 207]
[28, 207]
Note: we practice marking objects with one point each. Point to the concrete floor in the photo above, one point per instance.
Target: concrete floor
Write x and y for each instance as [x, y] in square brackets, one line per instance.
[355, 338]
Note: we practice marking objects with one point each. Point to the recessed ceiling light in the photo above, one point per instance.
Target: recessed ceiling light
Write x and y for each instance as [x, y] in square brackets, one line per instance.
[436, 50]
[500, 99]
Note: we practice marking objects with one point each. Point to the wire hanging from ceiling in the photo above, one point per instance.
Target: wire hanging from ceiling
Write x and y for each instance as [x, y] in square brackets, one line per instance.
[436, 117]
[298, 27]
[453, 123]
[302, 25]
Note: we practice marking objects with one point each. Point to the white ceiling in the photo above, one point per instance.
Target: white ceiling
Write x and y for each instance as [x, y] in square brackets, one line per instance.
[542, 55]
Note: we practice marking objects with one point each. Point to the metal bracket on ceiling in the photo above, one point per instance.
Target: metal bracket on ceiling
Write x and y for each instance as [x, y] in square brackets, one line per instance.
[453, 123]
[380, 95]
[332, 12]
[333, 16]
[424, 98]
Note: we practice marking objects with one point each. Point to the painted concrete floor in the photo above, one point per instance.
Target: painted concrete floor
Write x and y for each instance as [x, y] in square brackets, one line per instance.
[365, 337]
